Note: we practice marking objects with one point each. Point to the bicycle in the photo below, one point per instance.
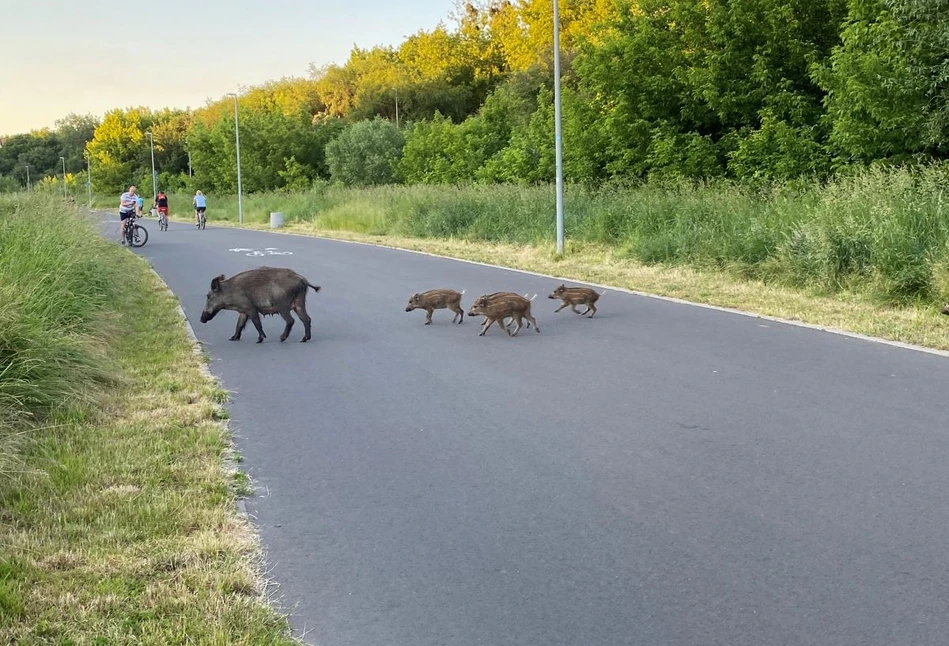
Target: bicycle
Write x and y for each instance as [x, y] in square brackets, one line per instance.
[135, 235]
[202, 220]
[162, 220]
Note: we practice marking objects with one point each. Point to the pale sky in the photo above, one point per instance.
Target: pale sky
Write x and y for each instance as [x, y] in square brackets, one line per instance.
[91, 56]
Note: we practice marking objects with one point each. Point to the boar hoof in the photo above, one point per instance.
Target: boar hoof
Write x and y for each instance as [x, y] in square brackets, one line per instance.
[234, 338]
[260, 339]
[428, 322]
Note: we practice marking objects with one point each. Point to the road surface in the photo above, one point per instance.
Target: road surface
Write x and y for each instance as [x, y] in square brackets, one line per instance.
[659, 475]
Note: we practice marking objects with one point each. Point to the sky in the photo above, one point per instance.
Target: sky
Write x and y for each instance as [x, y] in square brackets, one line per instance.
[91, 56]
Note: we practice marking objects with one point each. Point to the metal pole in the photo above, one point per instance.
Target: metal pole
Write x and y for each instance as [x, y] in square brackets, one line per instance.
[189, 163]
[237, 139]
[396, 108]
[558, 135]
[64, 176]
[151, 140]
[28, 187]
[89, 178]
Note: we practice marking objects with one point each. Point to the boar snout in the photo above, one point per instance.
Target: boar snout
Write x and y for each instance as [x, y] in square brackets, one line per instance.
[945, 310]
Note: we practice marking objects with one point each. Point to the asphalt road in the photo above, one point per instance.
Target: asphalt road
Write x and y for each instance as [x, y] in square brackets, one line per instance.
[659, 475]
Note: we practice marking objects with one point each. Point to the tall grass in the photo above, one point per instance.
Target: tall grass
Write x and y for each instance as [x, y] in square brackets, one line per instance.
[882, 231]
[55, 283]
[117, 516]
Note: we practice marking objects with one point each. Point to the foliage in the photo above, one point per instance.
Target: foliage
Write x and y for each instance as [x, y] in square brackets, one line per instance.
[754, 90]
[366, 153]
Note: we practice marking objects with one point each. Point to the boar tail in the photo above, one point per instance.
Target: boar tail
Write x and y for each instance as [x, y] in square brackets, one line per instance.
[316, 288]
[601, 293]
[463, 292]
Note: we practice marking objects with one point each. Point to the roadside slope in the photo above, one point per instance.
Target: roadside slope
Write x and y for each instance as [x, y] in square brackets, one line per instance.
[118, 523]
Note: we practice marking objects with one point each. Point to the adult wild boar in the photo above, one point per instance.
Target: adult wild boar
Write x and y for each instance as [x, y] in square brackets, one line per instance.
[265, 290]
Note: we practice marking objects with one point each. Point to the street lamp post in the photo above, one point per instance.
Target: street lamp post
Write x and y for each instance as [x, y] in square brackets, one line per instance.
[557, 136]
[151, 142]
[64, 175]
[189, 163]
[237, 140]
[28, 186]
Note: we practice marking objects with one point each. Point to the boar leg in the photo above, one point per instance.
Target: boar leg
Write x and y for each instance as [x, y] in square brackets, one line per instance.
[300, 309]
[561, 307]
[531, 319]
[517, 318]
[458, 312]
[289, 319]
[428, 315]
[591, 306]
[241, 322]
[488, 322]
[573, 307]
[255, 319]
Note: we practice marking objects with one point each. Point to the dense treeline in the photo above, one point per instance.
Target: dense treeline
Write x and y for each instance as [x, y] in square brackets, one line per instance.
[747, 89]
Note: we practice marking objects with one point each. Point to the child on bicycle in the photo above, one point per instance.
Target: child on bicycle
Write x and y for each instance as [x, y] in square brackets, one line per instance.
[200, 206]
[161, 205]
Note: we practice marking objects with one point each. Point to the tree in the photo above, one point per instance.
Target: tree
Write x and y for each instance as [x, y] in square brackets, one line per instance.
[886, 83]
[119, 149]
[74, 132]
[366, 153]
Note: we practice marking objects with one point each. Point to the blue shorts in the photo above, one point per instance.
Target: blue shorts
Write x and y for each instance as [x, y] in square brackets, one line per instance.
[125, 215]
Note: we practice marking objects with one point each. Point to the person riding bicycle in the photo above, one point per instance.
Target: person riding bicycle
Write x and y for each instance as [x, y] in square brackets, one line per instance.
[200, 206]
[161, 205]
[127, 207]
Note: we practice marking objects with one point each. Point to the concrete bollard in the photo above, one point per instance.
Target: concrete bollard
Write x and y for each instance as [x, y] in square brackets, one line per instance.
[276, 220]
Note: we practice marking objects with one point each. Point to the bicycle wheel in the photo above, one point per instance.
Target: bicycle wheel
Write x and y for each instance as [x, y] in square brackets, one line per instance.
[203, 221]
[139, 236]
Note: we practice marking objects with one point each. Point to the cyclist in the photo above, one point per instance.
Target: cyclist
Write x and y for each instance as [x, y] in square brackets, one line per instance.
[161, 205]
[200, 206]
[127, 207]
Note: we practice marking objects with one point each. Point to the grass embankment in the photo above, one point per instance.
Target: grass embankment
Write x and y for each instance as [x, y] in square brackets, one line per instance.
[117, 510]
[868, 253]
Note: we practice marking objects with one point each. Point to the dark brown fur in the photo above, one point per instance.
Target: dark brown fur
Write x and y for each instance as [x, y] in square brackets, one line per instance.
[574, 296]
[437, 299]
[265, 290]
[499, 306]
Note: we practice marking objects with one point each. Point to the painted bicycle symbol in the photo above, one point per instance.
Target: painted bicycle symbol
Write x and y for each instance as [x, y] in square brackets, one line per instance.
[268, 251]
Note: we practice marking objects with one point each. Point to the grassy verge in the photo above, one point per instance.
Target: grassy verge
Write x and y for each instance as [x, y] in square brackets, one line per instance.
[117, 510]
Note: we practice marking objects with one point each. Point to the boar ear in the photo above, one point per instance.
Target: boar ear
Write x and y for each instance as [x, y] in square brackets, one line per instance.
[216, 283]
